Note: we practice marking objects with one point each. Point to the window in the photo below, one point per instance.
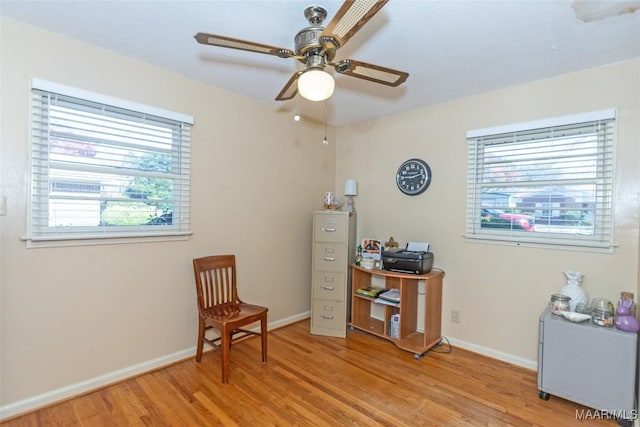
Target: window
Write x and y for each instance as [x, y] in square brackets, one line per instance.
[547, 182]
[103, 168]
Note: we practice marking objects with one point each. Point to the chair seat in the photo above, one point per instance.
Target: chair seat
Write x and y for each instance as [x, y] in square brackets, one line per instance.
[230, 312]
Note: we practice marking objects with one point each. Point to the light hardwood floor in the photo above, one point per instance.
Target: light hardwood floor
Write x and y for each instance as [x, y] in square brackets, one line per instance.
[320, 381]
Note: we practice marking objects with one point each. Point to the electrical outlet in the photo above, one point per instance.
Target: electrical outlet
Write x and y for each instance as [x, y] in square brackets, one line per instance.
[455, 316]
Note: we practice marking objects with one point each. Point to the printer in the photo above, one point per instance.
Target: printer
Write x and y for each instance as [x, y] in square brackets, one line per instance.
[414, 259]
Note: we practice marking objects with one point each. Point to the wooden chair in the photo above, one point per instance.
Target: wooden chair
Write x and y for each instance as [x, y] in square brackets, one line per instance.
[220, 308]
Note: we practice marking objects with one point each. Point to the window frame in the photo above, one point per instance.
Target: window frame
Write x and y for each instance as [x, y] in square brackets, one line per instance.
[604, 181]
[44, 187]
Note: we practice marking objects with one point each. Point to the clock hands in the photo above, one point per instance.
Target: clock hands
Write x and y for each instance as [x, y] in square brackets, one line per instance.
[412, 176]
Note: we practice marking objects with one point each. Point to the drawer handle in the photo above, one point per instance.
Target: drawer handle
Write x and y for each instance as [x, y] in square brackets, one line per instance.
[329, 258]
[324, 316]
[328, 288]
[329, 230]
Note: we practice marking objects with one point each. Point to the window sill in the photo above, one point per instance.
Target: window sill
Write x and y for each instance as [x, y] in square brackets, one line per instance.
[92, 240]
[565, 246]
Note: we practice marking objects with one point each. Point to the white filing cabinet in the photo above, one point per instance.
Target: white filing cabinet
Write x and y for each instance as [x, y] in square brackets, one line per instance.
[588, 364]
[333, 249]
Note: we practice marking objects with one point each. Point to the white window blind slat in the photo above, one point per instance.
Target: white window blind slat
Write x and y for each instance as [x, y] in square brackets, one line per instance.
[106, 100]
[545, 184]
[101, 171]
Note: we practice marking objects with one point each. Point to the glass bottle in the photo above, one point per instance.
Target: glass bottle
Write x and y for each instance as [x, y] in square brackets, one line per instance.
[358, 255]
[559, 303]
[602, 317]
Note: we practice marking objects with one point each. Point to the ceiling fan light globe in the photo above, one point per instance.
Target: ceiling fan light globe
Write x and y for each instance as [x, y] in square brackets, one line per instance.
[316, 85]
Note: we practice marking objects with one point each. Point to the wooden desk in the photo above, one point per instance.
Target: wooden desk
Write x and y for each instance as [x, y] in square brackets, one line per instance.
[409, 339]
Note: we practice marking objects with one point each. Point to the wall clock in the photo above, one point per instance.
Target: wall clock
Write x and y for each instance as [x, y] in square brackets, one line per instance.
[413, 177]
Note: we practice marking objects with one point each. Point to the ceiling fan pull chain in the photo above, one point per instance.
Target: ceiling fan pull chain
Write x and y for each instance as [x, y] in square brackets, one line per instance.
[324, 141]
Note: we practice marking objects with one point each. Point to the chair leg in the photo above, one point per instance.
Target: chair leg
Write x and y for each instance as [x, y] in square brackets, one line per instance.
[263, 336]
[225, 341]
[201, 331]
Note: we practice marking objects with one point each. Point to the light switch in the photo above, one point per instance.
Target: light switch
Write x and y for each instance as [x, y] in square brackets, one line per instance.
[3, 206]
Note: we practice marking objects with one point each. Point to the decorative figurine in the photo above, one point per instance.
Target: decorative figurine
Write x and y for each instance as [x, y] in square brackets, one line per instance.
[624, 319]
[391, 244]
[573, 289]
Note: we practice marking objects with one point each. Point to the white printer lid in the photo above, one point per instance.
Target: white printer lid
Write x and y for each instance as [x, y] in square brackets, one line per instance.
[418, 246]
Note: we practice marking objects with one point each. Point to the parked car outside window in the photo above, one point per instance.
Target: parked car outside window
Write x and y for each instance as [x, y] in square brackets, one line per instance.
[495, 218]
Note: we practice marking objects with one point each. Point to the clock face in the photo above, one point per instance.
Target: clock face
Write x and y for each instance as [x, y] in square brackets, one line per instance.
[413, 177]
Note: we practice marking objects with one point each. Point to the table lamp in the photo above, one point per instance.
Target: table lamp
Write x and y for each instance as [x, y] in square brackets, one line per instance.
[350, 190]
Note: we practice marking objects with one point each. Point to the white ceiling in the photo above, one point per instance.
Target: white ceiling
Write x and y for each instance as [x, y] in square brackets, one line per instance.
[450, 49]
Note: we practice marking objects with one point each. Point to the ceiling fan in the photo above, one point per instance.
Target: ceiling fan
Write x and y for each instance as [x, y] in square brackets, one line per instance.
[316, 46]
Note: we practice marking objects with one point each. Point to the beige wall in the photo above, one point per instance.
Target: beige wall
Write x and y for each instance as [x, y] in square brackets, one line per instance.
[72, 314]
[499, 290]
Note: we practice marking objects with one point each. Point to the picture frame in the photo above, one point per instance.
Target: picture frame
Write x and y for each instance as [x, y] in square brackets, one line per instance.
[372, 248]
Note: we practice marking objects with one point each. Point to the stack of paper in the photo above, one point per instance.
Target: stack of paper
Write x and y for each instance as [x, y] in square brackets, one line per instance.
[392, 295]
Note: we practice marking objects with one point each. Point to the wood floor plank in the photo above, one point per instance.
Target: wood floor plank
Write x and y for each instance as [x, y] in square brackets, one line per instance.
[316, 381]
[217, 415]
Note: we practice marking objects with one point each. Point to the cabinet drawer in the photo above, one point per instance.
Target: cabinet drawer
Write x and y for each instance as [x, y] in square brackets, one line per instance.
[330, 257]
[330, 228]
[329, 286]
[329, 314]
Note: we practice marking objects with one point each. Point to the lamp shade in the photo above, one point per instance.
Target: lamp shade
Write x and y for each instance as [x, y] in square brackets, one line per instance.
[316, 85]
[350, 187]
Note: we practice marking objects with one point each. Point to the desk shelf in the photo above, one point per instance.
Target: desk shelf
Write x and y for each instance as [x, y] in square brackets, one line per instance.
[410, 338]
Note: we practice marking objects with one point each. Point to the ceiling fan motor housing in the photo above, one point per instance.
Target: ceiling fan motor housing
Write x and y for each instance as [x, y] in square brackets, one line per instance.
[308, 39]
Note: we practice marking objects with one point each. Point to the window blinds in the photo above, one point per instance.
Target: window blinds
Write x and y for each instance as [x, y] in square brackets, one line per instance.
[103, 170]
[543, 182]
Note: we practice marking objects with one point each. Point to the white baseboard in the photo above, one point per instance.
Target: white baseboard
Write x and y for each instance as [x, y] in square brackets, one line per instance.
[63, 393]
[289, 320]
[494, 354]
[29, 404]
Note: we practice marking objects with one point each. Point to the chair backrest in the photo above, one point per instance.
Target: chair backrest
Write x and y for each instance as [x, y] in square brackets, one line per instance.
[215, 280]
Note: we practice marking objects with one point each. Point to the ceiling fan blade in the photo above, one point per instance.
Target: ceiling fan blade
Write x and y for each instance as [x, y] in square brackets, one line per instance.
[222, 41]
[351, 16]
[290, 89]
[373, 73]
